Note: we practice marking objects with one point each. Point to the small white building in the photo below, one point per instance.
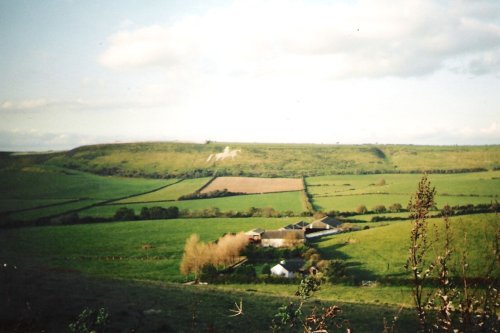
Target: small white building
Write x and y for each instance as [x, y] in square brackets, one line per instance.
[288, 268]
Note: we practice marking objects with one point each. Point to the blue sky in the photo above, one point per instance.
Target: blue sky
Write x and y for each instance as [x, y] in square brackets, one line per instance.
[83, 72]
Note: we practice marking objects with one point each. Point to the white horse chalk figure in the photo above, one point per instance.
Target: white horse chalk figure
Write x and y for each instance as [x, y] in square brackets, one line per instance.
[225, 154]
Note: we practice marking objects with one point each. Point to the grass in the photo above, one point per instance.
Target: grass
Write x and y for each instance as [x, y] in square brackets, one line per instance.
[381, 252]
[346, 192]
[34, 214]
[52, 183]
[35, 192]
[176, 308]
[280, 201]
[88, 248]
[10, 205]
[172, 192]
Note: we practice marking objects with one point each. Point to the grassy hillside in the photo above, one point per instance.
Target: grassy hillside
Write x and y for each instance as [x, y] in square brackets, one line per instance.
[287, 160]
[382, 252]
[346, 192]
[37, 191]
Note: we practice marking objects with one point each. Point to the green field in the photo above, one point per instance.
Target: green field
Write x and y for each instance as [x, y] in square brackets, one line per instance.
[172, 192]
[382, 252]
[34, 214]
[35, 192]
[346, 192]
[375, 253]
[284, 201]
[265, 160]
[50, 183]
[87, 248]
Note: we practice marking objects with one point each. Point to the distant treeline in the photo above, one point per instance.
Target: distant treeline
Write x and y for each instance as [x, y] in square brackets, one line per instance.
[207, 195]
[220, 172]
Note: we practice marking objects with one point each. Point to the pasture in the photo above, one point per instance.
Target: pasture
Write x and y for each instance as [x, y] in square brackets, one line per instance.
[32, 193]
[346, 192]
[254, 185]
[169, 193]
[285, 201]
[116, 249]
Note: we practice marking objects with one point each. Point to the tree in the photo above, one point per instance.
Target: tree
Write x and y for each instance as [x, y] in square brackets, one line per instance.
[361, 209]
[124, 214]
[335, 270]
[266, 269]
[379, 209]
[395, 207]
[193, 258]
[199, 254]
[144, 214]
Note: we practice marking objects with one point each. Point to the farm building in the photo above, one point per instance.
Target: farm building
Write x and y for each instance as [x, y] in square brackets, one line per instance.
[281, 238]
[255, 235]
[297, 226]
[288, 268]
[325, 223]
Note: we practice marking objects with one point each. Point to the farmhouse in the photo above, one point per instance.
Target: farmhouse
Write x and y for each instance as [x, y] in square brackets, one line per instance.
[281, 238]
[288, 268]
[255, 235]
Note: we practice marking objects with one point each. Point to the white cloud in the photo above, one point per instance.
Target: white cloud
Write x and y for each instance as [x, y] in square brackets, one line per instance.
[27, 104]
[360, 39]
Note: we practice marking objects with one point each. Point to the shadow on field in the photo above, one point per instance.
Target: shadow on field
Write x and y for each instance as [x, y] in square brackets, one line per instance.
[354, 269]
[43, 299]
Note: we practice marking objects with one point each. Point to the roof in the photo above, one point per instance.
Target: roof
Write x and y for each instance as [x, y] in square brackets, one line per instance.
[296, 226]
[301, 224]
[280, 234]
[293, 265]
[324, 223]
[258, 231]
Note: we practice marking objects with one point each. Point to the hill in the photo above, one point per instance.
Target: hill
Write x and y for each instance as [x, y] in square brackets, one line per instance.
[189, 160]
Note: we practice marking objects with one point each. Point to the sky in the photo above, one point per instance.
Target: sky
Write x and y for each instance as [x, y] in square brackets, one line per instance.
[77, 72]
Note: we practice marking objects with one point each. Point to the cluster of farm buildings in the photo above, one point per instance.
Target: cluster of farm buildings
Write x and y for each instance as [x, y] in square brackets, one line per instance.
[296, 233]
[293, 234]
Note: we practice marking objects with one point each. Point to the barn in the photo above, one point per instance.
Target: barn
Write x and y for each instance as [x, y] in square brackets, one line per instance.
[282, 238]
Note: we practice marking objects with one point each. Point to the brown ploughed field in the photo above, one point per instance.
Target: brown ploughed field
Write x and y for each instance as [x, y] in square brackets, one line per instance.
[254, 185]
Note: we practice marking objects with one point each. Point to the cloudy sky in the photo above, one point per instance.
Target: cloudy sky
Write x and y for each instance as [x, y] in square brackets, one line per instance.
[77, 72]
